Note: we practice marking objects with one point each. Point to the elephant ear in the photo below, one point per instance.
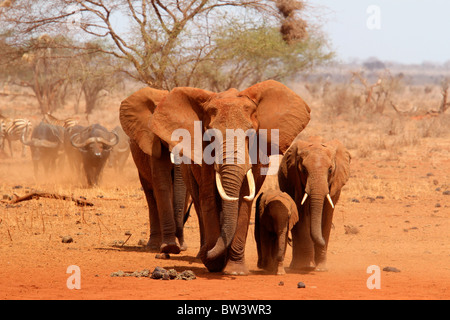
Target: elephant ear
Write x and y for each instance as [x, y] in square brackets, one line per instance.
[135, 116]
[180, 110]
[278, 107]
[288, 178]
[342, 167]
[289, 174]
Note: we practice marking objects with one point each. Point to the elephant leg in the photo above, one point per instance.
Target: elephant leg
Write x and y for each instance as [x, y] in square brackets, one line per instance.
[281, 251]
[302, 245]
[320, 253]
[154, 242]
[163, 193]
[193, 189]
[208, 216]
[259, 236]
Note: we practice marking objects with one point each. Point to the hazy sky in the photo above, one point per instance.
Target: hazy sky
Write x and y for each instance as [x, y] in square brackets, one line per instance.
[408, 31]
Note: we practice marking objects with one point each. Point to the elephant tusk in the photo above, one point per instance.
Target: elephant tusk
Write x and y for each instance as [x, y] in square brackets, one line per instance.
[222, 192]
[251, 186]
[304, 198]
[172, 158]
[330, 201]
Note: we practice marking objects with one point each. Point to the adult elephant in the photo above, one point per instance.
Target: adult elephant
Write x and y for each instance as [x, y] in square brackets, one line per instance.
[313, 173]
[222, 191]
[161, 181]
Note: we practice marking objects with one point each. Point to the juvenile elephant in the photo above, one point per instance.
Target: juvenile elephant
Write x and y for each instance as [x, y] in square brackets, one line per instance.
[275, 215]
[161, 181]
[313, 173]
[223, 190]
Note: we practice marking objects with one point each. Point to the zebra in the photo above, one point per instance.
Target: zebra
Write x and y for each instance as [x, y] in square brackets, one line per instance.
[2, 133]
[66, 123]
[13, 130]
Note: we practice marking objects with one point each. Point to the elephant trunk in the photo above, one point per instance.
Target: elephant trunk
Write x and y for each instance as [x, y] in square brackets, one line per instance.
[317, 191]
[179, 204]
[316, 219]
[231, 177]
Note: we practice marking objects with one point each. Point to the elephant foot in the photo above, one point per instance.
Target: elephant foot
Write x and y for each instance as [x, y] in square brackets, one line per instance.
[280, 269]
[235, 268]
[170, 248]
[153, 246]
[321, 267]
[308, 267]
[183, 246]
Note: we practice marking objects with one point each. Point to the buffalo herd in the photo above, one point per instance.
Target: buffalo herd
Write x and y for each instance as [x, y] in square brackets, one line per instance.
[56, 145]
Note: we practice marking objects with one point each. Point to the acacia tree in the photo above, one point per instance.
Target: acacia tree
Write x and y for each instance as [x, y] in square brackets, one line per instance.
[163, 42]
[43, 68]
[95, 72]
[245, 56]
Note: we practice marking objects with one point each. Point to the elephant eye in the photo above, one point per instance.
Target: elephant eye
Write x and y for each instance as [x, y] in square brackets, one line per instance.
[330, 170]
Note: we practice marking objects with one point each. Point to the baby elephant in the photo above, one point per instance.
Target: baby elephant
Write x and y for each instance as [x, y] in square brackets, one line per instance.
[275, 215]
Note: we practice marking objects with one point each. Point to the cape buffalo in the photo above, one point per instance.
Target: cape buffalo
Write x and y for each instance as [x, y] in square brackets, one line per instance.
[94, 143]
[46, 145]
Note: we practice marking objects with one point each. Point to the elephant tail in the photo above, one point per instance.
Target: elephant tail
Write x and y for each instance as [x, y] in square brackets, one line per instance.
[187, 213]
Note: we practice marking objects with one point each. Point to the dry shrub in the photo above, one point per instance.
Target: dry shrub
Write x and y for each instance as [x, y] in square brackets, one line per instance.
[288, 7]
[293, 30]
[341, 100]
[434, 127]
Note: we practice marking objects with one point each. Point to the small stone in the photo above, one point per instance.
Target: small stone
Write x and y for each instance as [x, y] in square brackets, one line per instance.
[127, 233]
[186, 275]
[67, 239]
[158, 273]
[437, 205]
[142, 242]
[119, 273]
[391, 269]
[166, 276]
[163, 256]
[355, 200]
[122, 207]
[281, 283]
[446, 193]
[351, 229]
[172, 273]
[301, 285]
